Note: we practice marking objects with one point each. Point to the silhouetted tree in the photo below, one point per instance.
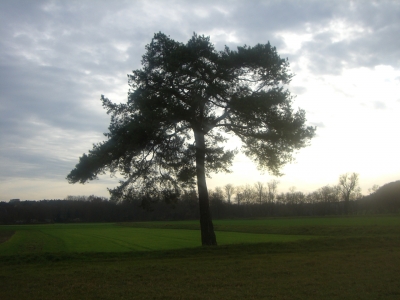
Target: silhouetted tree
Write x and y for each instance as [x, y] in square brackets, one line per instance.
[374, 188]
[229, 190]
[260, 191]
[272, 189]
[216, 198]
[238, 196]
[168, 133]
[329, 193]
[349, 188]
[247, 194]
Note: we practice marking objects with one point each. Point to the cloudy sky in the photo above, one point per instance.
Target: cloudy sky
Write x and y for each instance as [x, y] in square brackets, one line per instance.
[58, 57]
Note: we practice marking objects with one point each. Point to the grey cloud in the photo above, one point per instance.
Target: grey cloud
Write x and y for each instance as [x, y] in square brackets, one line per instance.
[49, 94]
[318, 124]
[275, 16]
[298, 90]
[377, 44]
[20, 163]
[379, 105]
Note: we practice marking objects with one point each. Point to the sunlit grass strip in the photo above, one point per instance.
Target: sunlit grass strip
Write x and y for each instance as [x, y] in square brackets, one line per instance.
[149, 236]
[111, 238]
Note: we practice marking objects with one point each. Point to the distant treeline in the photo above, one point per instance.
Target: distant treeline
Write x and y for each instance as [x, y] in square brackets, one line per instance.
[385, 199]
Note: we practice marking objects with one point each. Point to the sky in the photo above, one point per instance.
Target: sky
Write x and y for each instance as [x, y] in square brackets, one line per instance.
[58, 57]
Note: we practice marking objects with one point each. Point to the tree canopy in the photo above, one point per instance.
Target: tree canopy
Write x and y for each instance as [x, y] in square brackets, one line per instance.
[183, 104]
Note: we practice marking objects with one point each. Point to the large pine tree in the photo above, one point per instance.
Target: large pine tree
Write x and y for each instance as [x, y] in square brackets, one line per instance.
[182, 105]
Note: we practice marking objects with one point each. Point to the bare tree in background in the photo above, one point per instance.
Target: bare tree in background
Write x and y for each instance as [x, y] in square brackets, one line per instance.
[259, 187]
[374, 188]
[349, 187]
[246, 194]
[229, 191]
[238, 197]
[216, 199]
[329, 193]
[272, 189]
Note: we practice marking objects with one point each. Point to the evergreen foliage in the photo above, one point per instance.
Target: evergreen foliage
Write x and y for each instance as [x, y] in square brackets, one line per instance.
[182, 105]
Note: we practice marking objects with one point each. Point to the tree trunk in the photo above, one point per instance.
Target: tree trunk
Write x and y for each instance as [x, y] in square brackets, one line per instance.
[346, 202]
[207, 229]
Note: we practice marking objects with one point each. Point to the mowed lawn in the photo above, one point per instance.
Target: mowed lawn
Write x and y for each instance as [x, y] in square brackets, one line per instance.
[338, 258]
[145, 236]
[307, 226]
[78, 238]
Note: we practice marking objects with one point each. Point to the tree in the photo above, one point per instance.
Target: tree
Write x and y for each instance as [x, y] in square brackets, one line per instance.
[293, 197]
[217, 194]
[229, 190]
[238, 196]
[259, 187]
[182, 106]
[216, 197]
[272, 189]
[248, 194]
[373, 190]
[329, 193]
[349, 187]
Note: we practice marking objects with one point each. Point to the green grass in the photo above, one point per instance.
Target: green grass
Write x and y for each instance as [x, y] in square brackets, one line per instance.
[328, 226]
[5, 235]
[78, 238]
[59, 261]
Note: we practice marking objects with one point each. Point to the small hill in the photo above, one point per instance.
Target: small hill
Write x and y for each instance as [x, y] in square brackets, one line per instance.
[386, 198]
[390, 190]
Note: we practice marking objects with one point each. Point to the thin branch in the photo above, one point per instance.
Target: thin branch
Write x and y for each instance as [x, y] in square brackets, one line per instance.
[231, 125]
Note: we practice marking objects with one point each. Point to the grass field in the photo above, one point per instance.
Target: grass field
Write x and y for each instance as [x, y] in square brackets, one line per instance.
[78, 238]
[286, 258]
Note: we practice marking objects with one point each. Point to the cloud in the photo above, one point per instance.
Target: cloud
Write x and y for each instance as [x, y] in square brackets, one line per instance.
[318, 124]
[361, 35]
[298, 90]
[379, 105]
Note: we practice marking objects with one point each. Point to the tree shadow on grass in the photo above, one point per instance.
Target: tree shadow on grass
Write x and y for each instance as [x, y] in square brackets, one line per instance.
[5, 235]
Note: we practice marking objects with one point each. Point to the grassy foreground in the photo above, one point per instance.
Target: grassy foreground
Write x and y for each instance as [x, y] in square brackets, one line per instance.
[363, 264]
